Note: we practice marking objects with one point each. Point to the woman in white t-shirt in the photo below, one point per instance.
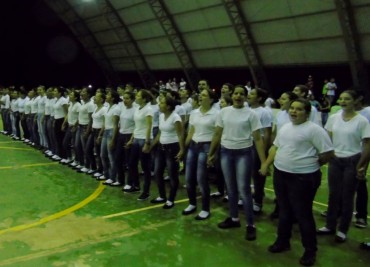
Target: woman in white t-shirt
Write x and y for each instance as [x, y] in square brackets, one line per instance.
[92, 145]
[140, 145]
[202, 123]
[126, 128]
[107, 136]
[300, 148]
[236, 128]
[350, 133]
[70, 125]
[60, 108]
[169, 151]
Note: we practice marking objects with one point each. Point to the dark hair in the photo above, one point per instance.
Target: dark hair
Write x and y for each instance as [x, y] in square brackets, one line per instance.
[212, 96]
[76, 94]
[355, 94]
[231, 86]
[303, 89]
[61, 90]
[145, 94]
[227, 99]
[102, 95]
[174, 94]
[292, 96]
[241, 86]
[115, 96]
[263, 94]
[306, 104]
[171, 102]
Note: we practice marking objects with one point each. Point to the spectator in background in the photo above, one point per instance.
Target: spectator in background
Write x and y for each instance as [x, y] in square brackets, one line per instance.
[332, 87]
[325, 88]
[182, 84]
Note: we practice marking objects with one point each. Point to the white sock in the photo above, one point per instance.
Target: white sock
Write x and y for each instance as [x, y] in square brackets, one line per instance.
[203, 214]
[190, 208]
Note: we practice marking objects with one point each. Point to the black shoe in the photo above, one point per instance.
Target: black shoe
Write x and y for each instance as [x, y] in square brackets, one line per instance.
[168, 206]
[278, 247]
[187, 212]
[133, 189]
[229, 223]
[365, 245]
[143, 196]
[251, 233]
[158, 200]
[308, 258]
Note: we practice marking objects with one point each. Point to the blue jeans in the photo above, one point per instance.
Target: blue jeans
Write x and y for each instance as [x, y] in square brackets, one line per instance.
[295, 194]
[106, 154]
[196, 171]
[80, 145]
[342, 187]
[165, 156]
[136, 153]
[42, 130]
[237, 168]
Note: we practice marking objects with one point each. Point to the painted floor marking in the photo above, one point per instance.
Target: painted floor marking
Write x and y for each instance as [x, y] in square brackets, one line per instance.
[58, 214]
[15, 148]
[27, 165]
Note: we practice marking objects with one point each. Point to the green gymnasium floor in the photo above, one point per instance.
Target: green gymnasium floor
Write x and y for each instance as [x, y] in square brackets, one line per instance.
[53, 216]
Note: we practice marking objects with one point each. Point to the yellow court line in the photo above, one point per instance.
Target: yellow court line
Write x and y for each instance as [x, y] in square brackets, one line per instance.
[28, 165]
[14, 148]
[7, 142]
[178, 201]
[57, 215]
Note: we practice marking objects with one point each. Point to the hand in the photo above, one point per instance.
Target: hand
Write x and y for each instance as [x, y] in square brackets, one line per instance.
[210, 160]
[179, 155]
[146, 148]
[361, 175]
[111, 145]
[264, 169]
[128, 144]
[98, 140]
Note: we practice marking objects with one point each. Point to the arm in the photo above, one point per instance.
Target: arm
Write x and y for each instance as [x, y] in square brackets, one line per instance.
[190, 136]
[156, 140]
[270, 159]
[89, 126]
[149, 121]
[216, 140]
[325, 157]
[364, 160]
[180, 134]
[259, 145]
[267, 137]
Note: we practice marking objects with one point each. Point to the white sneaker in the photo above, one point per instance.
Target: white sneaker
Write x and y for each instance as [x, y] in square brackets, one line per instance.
[54, 157]
[84, 170]
[127, 187]
[73, 164]
[167, 178]
[98, 174]
[116, 184]
[79, 167]
[102, 177]
[90, 171]
[109, 181]
[63, 161]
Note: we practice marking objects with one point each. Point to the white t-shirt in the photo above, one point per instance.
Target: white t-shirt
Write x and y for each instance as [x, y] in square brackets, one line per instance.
[73, 110]
[299, 147]
[41, 104]
[187, 107]
[366, 113]
[126, 122]
[264, 117]
[331, 88]
[180, 110]
[14, 105]
[140, 117]
[5, 99]
[167, 128]
[27, 106]
[48, 106]
[204, 124]
[85, 110]
[282, 118]
[98, 117]
[51, 104]
[35, 104]
[347, 135]
[21, 104]
[238, 126]
[109, 116]
[58, 108]
[155, 121]
[315, 116]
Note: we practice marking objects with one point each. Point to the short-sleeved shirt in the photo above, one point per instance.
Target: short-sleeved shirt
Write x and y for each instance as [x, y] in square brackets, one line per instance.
[347, 135]
[126, 122]
[58, 108]
[238, 125]
[168, 129]
[73, 110]
[204, 124]
[299, 147]
[98, 117]
[140, 118]
[83, 115]
[112, 111]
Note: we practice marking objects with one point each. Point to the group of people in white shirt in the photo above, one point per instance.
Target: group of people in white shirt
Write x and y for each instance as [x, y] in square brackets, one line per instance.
[107, 134]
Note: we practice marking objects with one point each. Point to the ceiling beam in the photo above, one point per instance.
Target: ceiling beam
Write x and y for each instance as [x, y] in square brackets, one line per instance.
[128, 43]
[351, 40]
[177, 42]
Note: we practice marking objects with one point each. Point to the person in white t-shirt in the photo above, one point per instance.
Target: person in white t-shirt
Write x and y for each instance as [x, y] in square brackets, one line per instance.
[23, 118]
[140, 145]
[14, 115]
[299, 149]
[126, 128]
[49, 117]
[41, 126]
[236, 128]
[107, 137]
[60, 108]
[256, 98]
[93, 147]
[5, 105]
[302, 91]
[350, 133]
[170, 150]
[70, 125]
[201, 127]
